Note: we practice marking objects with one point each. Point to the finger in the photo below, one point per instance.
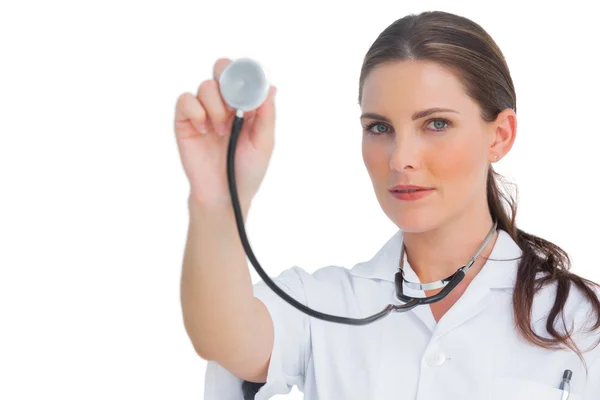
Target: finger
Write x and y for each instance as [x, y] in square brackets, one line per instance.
[263, 134]
[218, 114]
[219, 66]
[188, 108]
[218, 69]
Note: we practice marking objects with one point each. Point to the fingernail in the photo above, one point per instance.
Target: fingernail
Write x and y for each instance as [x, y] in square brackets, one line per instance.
[274, 93]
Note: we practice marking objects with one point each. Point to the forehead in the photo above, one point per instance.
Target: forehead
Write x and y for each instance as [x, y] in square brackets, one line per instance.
[412, 84]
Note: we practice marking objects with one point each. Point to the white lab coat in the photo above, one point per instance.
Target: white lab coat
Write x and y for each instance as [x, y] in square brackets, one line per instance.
[474, 352]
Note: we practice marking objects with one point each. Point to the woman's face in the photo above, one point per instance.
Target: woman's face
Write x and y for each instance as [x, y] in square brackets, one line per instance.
[445, 150]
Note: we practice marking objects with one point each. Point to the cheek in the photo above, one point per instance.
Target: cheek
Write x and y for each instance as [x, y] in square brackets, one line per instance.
[458, 164]
[373, 157]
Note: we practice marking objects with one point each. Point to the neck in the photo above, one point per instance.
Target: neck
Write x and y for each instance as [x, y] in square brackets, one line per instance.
[455, 242]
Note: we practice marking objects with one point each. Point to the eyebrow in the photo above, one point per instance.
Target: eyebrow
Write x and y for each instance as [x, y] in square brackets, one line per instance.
[417, 115]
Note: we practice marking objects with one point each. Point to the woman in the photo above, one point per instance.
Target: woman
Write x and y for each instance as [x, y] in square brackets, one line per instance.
[439, 108]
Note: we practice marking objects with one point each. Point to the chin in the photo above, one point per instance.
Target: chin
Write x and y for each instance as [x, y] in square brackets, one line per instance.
[414, 220]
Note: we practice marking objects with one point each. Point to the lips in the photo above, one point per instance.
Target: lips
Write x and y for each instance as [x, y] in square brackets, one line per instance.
[411, 194]
[408, 188]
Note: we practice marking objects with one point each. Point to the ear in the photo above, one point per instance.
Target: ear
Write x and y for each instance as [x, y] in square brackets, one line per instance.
[502, 134]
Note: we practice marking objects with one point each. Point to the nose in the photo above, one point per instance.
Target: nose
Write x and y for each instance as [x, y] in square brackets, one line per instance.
[404, 153]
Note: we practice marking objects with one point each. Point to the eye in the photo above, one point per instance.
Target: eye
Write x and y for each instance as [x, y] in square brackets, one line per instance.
[442, 120]
[367, 129]
[437, 122]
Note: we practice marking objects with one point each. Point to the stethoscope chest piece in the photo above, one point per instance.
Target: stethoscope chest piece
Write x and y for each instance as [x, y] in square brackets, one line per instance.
[244, 85]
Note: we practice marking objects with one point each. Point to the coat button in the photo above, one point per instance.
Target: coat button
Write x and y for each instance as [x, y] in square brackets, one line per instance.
[436, 359]
[435, 356]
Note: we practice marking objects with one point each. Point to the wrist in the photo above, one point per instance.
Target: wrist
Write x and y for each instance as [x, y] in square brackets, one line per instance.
[196, 206]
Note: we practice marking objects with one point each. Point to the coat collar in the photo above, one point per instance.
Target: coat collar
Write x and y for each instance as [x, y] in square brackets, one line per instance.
[499, 272]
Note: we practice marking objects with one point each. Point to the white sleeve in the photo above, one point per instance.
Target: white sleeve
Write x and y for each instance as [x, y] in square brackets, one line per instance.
[291, 347]
[592, 386]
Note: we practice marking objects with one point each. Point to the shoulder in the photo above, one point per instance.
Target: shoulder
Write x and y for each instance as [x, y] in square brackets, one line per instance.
[330, 289]
[331, 274]
[578, 312]
[329, 281]
[576, 303]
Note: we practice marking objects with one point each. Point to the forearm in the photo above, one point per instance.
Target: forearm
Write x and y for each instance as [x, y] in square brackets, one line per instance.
[216, 287]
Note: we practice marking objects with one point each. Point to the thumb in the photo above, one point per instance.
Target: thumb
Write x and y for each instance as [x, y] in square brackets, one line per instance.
[263, 132]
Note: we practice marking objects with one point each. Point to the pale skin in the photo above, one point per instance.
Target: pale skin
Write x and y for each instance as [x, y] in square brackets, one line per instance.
[448, 151]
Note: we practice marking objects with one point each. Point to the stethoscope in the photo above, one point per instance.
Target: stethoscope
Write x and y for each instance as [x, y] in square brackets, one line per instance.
[244, 87]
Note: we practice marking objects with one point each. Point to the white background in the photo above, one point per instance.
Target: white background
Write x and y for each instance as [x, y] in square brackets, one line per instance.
[93, 198]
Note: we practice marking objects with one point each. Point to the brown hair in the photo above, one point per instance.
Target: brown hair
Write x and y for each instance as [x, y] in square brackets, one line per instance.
[465, 48]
